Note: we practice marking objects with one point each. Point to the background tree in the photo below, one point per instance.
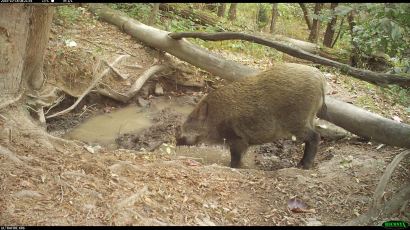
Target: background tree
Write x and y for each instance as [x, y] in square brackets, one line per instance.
[22, 46]
[354, 56]
[314, 32]
[274, 17]
[221, 10]
[306, 15]
[154, 13]
[330, 29]
[232, 11]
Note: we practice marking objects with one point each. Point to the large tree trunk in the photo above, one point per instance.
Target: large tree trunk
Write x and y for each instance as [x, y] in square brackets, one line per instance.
[314, 32]
[330, 29]
[274, 17]
[13, 42]
[24, 31]
[185, 12]
[232, 11]
[306, 15]
[221, 10]
[380, 129]
[22, 45]
[339, 32]
[38, 40]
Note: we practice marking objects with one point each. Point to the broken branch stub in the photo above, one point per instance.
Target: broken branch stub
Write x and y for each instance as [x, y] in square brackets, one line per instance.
[134, 89]
[93, 84]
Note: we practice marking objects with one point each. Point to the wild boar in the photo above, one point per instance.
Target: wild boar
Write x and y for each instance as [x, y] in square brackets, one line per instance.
[278, 103]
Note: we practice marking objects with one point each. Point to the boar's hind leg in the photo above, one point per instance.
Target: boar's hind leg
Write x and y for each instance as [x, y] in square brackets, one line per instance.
[311, 143]
[238, 148]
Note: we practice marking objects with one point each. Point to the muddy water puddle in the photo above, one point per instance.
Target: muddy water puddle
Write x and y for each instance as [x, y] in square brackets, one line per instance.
[208, 155]
[105, 128]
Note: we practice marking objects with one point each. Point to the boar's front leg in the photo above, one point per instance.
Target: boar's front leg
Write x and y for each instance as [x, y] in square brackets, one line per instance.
[237, 144]
[238, 148]
[311, 144]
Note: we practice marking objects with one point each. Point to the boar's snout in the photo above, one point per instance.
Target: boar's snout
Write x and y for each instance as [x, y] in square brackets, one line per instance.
[182, 139]
[186, 140]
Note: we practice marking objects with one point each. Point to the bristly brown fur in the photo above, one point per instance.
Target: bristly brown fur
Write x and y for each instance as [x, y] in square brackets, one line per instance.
[277, 103]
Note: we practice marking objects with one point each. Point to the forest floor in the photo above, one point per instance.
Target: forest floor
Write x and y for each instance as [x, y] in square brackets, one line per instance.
[123, 183]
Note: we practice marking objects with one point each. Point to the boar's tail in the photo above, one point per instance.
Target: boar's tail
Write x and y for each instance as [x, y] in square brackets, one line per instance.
[322, 113]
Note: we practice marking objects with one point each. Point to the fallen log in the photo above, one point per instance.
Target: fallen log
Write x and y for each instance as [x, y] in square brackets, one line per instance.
[309, 47]
[368, 125]
[380, 79]
[382, 130]
[325, 52]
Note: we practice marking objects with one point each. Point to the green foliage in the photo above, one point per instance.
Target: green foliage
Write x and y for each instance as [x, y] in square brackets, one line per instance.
[68, 13]
[289, 11]
[399, 95]
[263, 15]
[383, 27]
[139, 11]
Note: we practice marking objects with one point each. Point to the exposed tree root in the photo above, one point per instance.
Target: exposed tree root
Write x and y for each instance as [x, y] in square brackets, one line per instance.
[18, 121]
[11, 101]
[10, 155]
[13, 157]
[115, 70]
[93, 84]
[135, 87]
[393, 204]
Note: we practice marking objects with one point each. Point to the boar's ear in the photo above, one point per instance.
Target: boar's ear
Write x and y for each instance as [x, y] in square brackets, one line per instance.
[203, 111]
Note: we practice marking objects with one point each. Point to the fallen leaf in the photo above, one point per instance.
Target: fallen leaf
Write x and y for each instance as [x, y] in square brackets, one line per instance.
[43, 178]
[89, 149]
[25, 183]
[192, 162]
[70, 43]
[380, 146]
